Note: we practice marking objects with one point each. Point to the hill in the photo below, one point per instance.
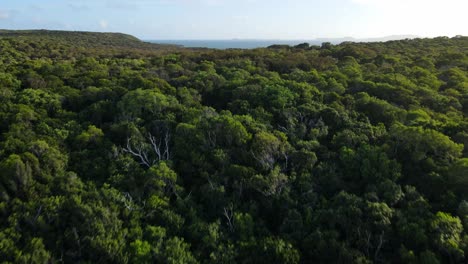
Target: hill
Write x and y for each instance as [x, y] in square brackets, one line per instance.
[84, 40]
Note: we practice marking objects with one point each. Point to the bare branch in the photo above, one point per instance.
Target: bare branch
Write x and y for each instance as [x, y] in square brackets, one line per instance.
[162, 155]
[77, 238]
[211, 139]
[284, 129]
[156, 146]
[38, 213]
[141, 152]
[379, 246]
[166, 150]
[229, 213]
[137, 153]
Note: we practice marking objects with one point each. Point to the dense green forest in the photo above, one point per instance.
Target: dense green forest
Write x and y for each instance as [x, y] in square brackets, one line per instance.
[113, 150]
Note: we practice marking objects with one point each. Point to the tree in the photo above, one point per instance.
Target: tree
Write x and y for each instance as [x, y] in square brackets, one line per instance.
[35, 252]
[16, 177]
[447, 231]
[144, 104]
[177, 251]
[268, 148]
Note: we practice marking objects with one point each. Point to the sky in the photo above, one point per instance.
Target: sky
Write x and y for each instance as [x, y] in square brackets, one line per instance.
[242, 19]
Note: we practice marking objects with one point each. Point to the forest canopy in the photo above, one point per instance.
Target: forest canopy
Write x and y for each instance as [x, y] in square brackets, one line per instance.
[113, 150]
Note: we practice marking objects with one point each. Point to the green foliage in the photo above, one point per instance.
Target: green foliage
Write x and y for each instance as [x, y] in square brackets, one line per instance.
[144, 104]
[113, 150]
[16, 176]
[176, 251]
[447, 230]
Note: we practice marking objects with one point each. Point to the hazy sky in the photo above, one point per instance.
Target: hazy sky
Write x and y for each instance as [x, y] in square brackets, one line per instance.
[227, 19]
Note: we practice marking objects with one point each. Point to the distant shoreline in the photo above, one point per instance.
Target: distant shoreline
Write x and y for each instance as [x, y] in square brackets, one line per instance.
[231, 44]
[263, 43]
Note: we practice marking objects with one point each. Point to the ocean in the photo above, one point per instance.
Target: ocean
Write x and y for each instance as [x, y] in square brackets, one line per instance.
[233, 44]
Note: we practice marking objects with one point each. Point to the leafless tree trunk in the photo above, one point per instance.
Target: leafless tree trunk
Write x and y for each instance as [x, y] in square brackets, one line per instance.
[161, 151]
[139, 152]
[77, 237]
[229, 214]
[160, 147]
[267, 160]
[379, 246]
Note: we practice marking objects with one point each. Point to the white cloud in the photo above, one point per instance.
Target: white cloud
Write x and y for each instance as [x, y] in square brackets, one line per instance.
[4, 15]
[421, 4]
[79, 7]
[420, 17]
[210, 3]
[122, 5]
[103, 24]
[416, 5]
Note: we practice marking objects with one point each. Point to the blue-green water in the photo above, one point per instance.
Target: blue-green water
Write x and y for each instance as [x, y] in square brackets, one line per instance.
[251, 44]
[233, 44]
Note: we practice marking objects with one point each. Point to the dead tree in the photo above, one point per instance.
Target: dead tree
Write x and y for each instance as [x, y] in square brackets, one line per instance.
[229, 214]
[139, 152]
[161, 151]
[142, 150]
